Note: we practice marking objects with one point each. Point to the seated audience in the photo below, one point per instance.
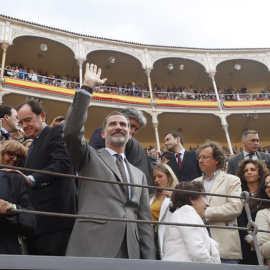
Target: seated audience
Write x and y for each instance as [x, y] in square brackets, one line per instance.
[251, 174]
[163, 176]
[185, 243]
[263, 221]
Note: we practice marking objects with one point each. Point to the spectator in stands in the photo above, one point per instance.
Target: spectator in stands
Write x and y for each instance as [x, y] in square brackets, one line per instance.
[166, 156]
[263, 220]
[251, 173]
[22, 74]
[8, 116]
[13, 195]
[135, 153]
[32, 76]
[47, 192]
[222, 211]
[12, 153]
[163, 176]
[135, 89]
[186, 243]
[250, 140]
[185, 163]
[106, 239]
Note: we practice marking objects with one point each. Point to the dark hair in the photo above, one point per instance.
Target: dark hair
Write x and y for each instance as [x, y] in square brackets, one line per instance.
[217, 152]
[5, 110]
[176, 135]
[111, 114]
[181, 198]
[168, 155]
[35, 106]
[262, 194]
[258, 164]
[247, 132]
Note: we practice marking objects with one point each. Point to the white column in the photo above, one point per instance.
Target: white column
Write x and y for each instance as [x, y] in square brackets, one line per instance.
[4, 47]
[154, 112]
[224, 122]
[80, 63]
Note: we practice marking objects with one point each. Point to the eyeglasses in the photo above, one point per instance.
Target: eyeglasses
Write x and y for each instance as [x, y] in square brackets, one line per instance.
[203, 157]
[266, 185]
[12, 154]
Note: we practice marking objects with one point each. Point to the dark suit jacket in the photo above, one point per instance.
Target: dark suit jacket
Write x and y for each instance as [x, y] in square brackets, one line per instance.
[234, 162]
[51, 193]
[13, 190]
[135, 153]
[190, 167]
[102, 238]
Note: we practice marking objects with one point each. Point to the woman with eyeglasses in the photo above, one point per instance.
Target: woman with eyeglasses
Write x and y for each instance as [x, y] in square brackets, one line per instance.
[12, 153]
[187, 243]
[251, 173]
[13, 195]
[263, 220]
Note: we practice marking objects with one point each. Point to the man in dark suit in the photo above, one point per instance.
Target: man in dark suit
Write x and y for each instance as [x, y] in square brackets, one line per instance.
[135, 153]
[250, 140]
[13, 195]
[102, 238]
[8, 116]
[185, 164]
[47, 193]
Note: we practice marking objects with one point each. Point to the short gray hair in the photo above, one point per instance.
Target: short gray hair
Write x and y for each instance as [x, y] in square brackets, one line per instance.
[247, 132]
[135, 114]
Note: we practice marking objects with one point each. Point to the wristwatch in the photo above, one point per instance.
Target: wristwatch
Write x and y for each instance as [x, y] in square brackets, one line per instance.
[87, 88]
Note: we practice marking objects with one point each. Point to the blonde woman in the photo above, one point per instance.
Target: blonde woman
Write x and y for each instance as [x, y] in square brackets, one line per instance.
[163, 176]
[12, 153]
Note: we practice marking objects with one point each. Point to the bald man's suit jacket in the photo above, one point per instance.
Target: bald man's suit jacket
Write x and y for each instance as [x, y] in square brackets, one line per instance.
[233, 163]
[101, 238]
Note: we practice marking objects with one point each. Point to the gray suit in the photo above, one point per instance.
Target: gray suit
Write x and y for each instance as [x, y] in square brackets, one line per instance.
[233, 163]
[104, 238]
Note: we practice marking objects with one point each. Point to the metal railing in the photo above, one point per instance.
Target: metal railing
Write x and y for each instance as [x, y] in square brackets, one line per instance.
[178, 94]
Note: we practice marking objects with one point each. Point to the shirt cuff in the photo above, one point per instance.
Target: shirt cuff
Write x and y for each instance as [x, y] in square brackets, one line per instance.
[84, 92]
[33, 181]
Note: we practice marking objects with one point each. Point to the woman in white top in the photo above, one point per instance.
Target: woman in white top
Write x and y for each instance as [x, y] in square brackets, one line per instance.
[185, 243]
[163, 176]
[263, 221]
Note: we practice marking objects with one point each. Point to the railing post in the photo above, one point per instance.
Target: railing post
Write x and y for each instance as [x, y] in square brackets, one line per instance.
[251, 226]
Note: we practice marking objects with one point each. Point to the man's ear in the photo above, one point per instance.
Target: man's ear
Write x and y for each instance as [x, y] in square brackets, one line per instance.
[6, 117]
[43, 116]
[103, 134]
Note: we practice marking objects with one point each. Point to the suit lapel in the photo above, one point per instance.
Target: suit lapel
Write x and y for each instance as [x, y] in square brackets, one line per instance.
[218, 180]
[37, 145]
[110, 162]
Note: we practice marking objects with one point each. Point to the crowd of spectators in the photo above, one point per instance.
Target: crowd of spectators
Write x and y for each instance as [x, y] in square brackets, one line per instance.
[155, 155]
[172, 92]
[24, 73]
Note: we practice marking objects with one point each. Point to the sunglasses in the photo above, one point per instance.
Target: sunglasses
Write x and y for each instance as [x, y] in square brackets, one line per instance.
[266, 185]
[12, 154]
